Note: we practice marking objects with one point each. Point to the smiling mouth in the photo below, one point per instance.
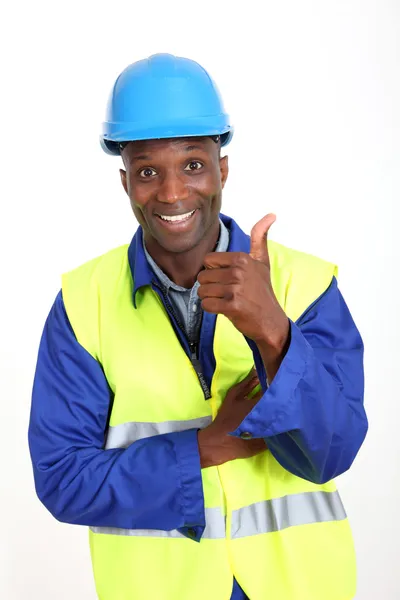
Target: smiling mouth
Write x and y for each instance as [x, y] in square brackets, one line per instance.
[177, 218]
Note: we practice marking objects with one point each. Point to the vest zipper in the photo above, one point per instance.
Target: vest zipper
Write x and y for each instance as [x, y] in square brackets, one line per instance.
[193, 346]
[194, 359]
[193, 350]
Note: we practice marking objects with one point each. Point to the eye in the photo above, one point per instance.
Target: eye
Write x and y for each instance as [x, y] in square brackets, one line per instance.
[194, 165]
[147, 172]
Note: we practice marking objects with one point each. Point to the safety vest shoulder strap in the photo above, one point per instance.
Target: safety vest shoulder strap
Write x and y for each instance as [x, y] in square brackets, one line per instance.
[86, 287]
[298, 278]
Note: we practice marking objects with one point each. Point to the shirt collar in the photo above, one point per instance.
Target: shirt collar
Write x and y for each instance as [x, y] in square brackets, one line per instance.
[142, 272]
[222, 246]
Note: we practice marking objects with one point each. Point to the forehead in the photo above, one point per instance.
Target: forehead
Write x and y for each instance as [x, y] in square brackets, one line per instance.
[140, 150]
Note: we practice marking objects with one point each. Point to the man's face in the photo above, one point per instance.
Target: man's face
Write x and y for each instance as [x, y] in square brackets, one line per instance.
[175, 188]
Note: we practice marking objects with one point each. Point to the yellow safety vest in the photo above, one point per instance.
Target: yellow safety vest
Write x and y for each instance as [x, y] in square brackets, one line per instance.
[282, 537]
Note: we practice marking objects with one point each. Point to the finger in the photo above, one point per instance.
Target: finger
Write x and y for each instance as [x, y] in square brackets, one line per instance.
[249, 448]
[221, 260]
[247, 385]
[254, 398]
[215, 306]
[214, 290]
[256, 389]
[226, 276]
[256, 446]
[256, 443]
[249, 379]
[259, 234]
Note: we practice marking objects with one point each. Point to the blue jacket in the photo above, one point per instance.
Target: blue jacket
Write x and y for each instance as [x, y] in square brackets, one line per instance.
[314, 423]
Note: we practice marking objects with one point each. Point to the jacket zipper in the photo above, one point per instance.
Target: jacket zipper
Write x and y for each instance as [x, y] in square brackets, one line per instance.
[193, 346]
[194, 351]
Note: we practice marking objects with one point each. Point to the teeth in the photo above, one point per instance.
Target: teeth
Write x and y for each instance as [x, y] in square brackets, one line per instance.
[177, 217]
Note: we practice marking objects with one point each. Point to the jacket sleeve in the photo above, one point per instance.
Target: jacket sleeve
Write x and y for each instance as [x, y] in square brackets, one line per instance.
[153, 484]
[312, 415]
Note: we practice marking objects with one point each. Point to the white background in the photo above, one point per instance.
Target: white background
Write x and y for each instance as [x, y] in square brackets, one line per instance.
[314, 91]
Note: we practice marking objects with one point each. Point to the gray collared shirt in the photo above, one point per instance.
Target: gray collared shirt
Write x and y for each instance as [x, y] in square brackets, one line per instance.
[185, 301]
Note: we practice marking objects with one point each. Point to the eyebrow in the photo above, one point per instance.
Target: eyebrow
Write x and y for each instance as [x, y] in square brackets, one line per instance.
[141, 157]
[189, 148]
[194, 147]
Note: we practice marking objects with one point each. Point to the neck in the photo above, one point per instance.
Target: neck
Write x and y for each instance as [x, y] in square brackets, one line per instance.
[183, 268]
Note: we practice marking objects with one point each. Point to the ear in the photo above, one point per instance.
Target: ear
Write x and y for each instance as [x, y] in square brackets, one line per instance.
[123, 180]
[224, 169]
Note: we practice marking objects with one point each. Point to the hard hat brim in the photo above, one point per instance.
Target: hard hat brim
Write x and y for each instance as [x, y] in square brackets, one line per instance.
[200, 127]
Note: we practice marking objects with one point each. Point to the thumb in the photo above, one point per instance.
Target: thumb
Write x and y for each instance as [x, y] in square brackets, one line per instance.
[259, 234]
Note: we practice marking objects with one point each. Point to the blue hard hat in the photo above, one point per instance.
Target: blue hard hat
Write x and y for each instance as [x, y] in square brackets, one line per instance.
[163, 96]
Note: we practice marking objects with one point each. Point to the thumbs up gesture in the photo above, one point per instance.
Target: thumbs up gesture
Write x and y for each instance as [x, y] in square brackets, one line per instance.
[238, 285]
[258, 239]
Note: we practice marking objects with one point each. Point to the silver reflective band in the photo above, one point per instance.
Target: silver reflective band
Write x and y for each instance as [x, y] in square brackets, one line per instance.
[215, 528]
[288, 511]
[262, 517]
[121, 436]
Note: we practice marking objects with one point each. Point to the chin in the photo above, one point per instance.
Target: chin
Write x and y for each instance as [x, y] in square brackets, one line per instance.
[178, 246]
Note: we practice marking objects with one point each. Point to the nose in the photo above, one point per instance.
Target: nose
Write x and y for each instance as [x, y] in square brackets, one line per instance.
[172, 189]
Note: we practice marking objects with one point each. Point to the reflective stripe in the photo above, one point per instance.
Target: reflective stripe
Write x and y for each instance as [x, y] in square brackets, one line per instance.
[215, 528]
[288, 511]
[121, 436]
[262, 517]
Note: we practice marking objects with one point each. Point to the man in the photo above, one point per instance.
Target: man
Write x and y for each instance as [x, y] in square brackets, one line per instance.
[197, 391]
